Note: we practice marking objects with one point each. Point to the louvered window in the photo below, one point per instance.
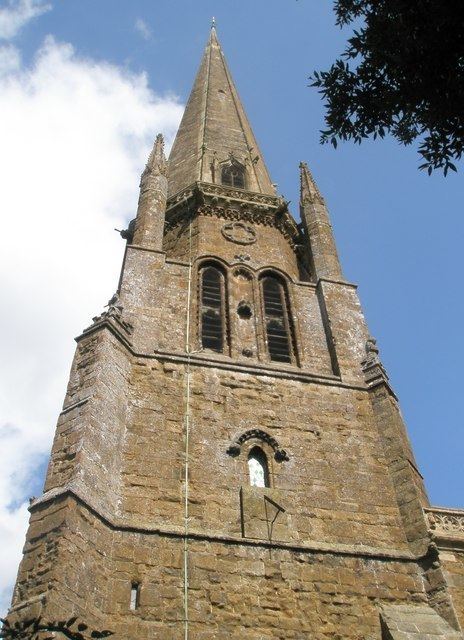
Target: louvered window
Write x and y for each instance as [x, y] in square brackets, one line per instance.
[276, 320]
[212, 309]
[233, 175]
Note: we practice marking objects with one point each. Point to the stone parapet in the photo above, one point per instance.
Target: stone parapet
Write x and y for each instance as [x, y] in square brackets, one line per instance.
[446, 526]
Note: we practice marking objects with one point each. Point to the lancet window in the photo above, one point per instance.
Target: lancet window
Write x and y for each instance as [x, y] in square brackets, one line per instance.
[278, 329]
[258, 468]
[212, 308]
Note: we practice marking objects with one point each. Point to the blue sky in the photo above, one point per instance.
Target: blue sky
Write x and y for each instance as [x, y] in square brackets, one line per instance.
[129, 66]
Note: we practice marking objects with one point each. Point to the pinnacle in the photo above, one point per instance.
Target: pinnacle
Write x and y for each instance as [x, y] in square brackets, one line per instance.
[309, 189]
[156, 162]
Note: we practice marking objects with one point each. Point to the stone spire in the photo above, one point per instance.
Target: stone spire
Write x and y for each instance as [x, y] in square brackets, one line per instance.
[316, 222]
[215, 130]
[149, 223]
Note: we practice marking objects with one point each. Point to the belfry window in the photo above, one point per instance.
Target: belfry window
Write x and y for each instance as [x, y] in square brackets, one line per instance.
[276, 320]
[212, 302]
[233, 175]
[258, 469]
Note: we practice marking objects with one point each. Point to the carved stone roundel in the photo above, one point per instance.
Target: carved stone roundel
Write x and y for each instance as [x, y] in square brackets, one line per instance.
[239, 232]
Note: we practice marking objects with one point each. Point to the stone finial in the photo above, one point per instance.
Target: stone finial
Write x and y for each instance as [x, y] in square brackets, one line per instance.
[374, 371]
[372, 352]
[309, 191]
[114, 312]
[156, 163]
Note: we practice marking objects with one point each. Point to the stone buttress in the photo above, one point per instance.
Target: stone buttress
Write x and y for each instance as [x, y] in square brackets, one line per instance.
[231, 460]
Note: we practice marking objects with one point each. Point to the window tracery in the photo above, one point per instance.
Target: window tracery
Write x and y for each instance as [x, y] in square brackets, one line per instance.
[233, 174]
[235, 449]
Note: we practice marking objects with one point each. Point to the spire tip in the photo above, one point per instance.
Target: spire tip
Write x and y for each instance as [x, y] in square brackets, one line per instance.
[308, 187]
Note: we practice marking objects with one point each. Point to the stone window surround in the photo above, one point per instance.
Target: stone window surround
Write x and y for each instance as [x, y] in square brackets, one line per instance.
[215, 264]
[230, 306]
[248, 440]
[288, 315]
[229, 165]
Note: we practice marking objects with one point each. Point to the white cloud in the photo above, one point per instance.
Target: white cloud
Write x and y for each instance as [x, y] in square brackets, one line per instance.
[144, 30]
[75, 136]
[10, 60]
[18, 13]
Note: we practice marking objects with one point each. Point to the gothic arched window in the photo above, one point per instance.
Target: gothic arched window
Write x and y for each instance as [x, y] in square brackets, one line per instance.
[258, 469]
[212, 309]
[276, 319]
[233, 175]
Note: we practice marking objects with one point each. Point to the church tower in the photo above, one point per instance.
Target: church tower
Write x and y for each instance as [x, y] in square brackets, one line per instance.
[230, 460]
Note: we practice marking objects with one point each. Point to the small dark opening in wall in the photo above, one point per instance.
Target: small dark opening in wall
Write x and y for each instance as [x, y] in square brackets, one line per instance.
[134, 602]
[244, 311]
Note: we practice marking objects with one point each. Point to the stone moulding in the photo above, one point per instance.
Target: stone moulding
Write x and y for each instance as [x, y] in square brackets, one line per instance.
[352, 551]
[217, 190]
[39, 599]
[258, 434]
[234, 205]
[106, 323]
[446, 526]
[75, 405]
[195, 360]
[289, 372]
[239, 232]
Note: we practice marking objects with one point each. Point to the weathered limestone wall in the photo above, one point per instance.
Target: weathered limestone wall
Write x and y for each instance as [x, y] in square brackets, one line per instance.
[36, 574]
[86, 451]
[181, 240]
[335, 486]
[346, 326]
[453, 567]
[154, 294]
[270, 248]
[235, 590]
[407, 482]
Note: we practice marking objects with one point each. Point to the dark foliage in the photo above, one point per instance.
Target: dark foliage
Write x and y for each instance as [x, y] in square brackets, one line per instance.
[402, 73]
[37, 629]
